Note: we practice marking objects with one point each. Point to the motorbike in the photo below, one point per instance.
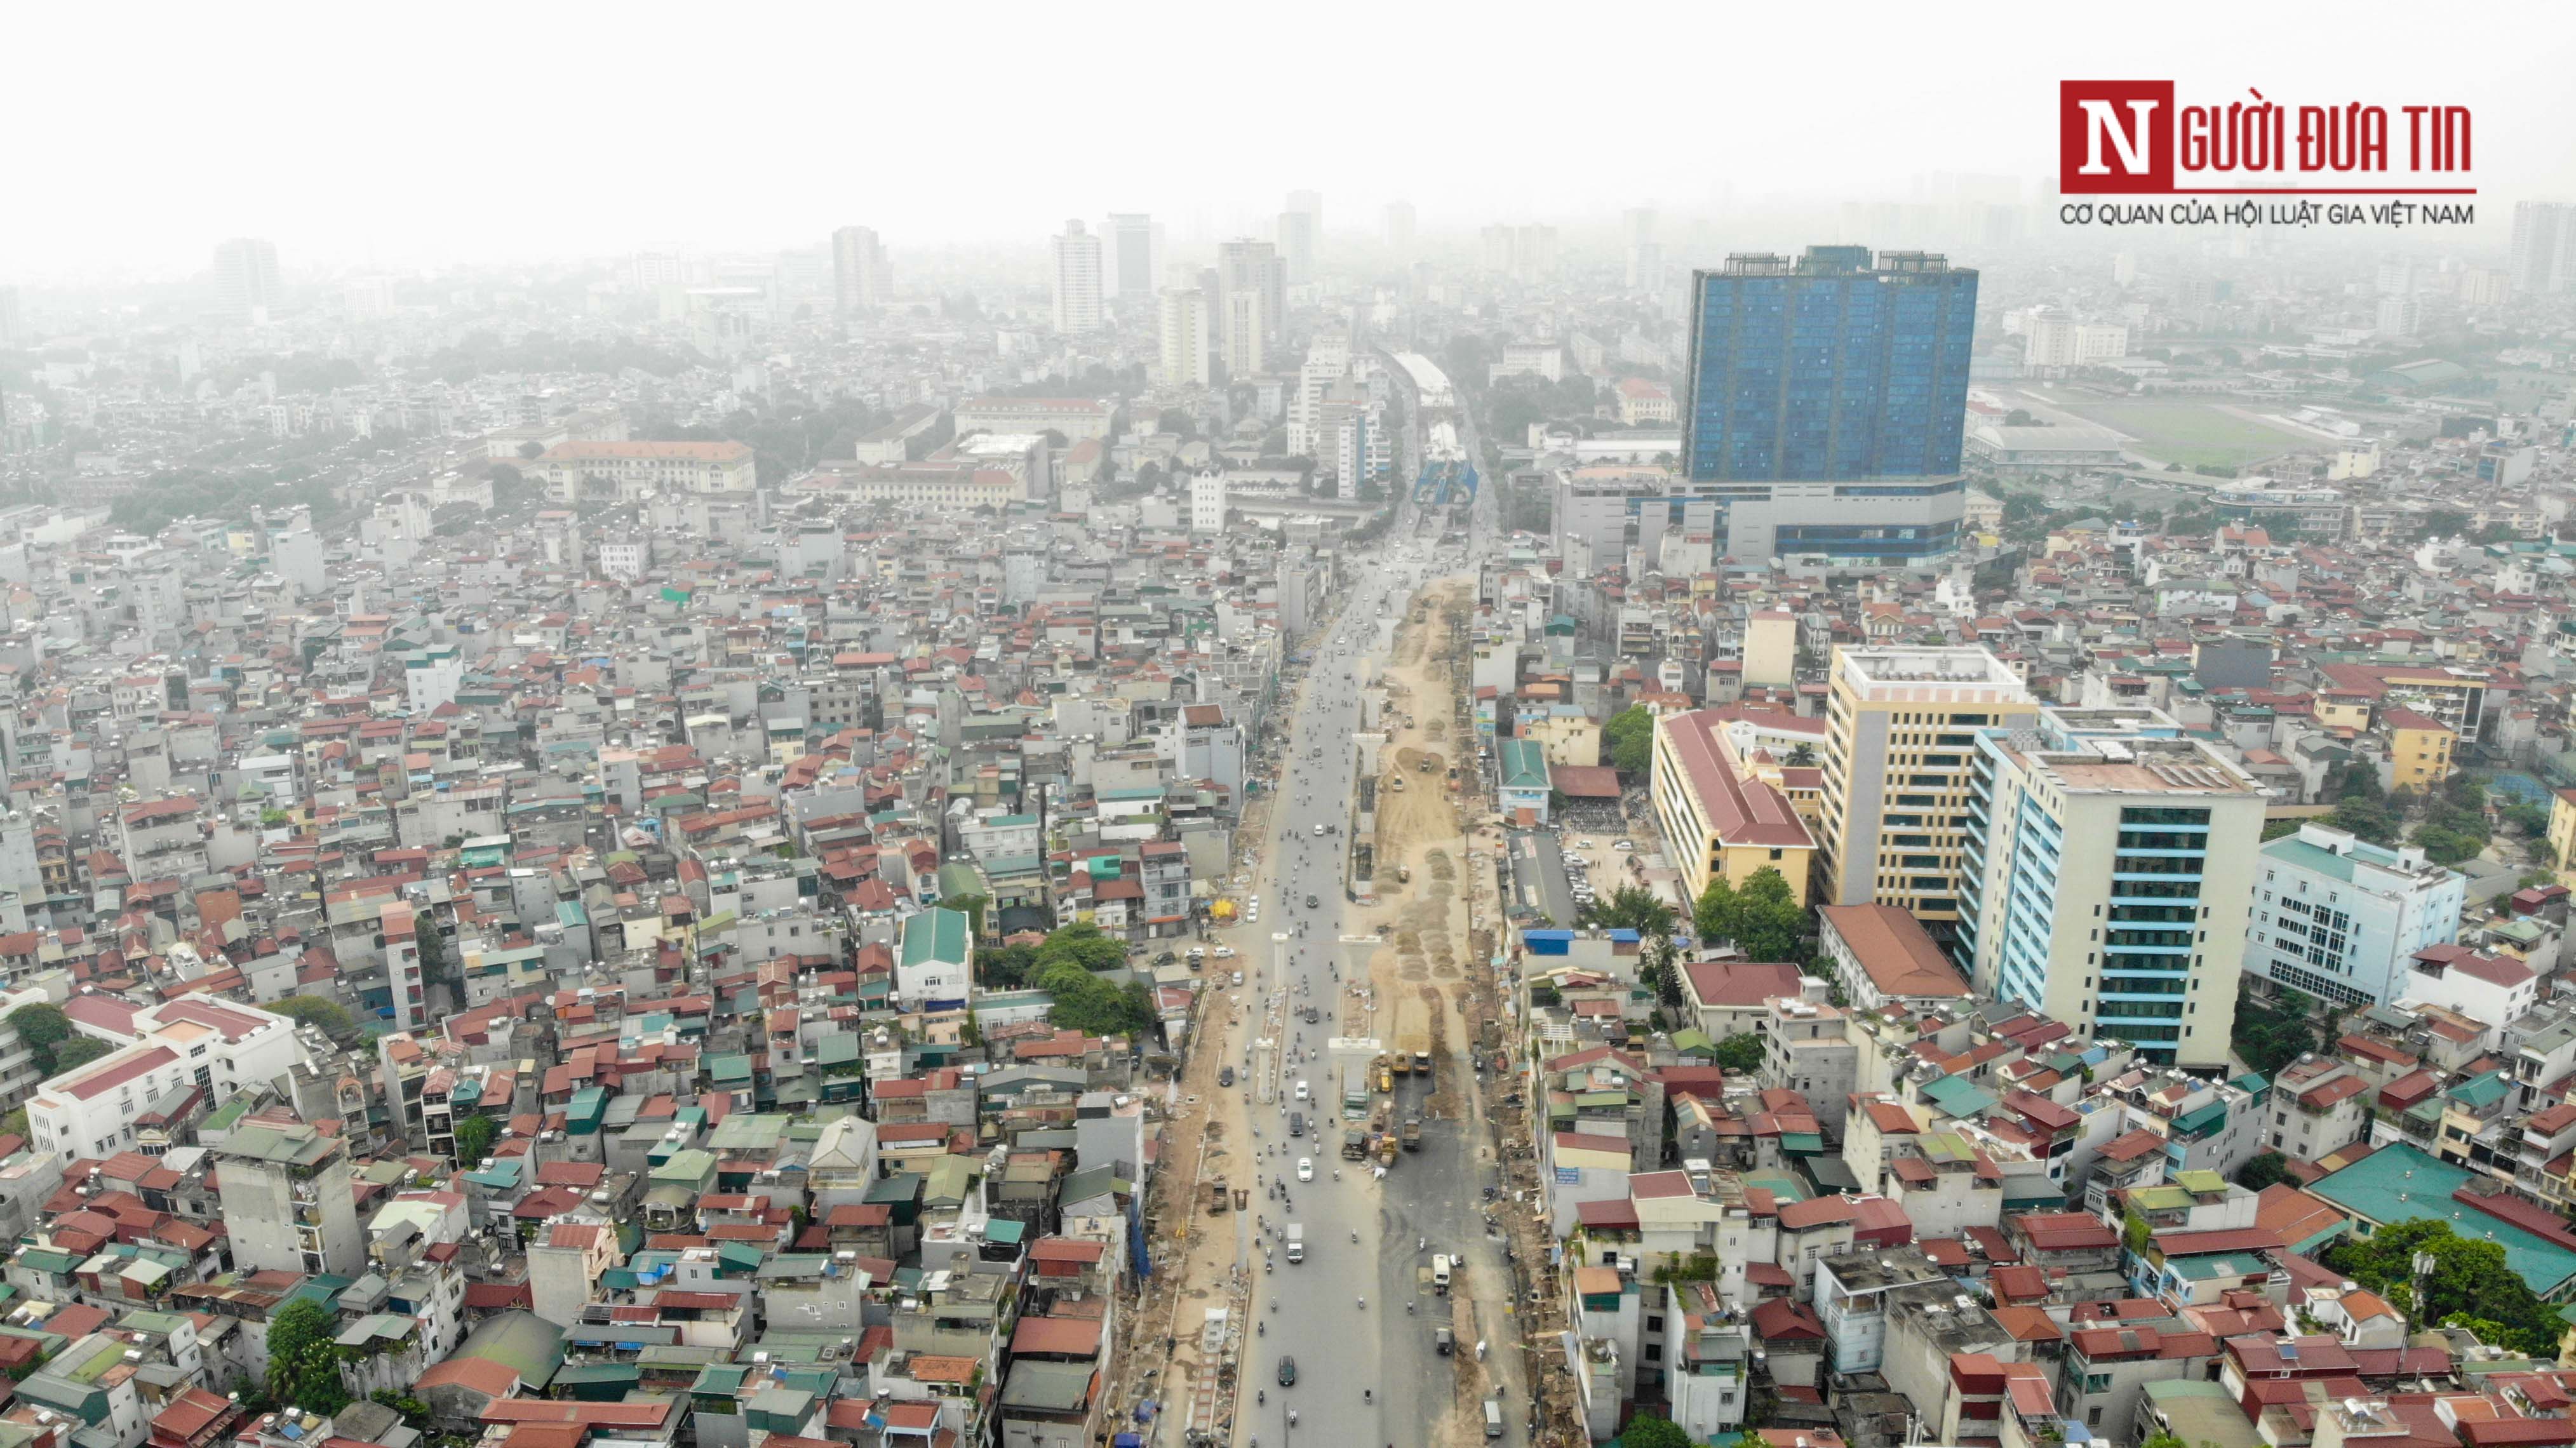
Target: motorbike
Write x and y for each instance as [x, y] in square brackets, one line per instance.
[1363, 1304]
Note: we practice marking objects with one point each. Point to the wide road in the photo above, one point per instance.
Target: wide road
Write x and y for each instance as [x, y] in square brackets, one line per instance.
[1364, 1237]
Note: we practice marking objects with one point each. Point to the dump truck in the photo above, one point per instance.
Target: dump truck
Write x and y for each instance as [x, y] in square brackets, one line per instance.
[1354, 1144]
[1386, 1148]
[1422, 1060]
[1440, 1273]
[1217, 1201]
[1296, 1243]
[1412, 1031]
[1413, 1133]
[1386, 1076]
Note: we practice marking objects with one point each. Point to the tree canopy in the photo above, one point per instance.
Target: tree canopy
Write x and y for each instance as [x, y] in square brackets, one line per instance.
[2271, 1037]
[1763, 919]
[43, 1027]
[329, 1015]
[1092, 1004]
[1629, 739]
[1633, 907]
[1649, 1431]
[2469, 1280]
[303, 1362]
[1740, 1052]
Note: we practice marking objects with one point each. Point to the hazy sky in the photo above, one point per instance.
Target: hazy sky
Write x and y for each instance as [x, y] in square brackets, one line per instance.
[412, 136]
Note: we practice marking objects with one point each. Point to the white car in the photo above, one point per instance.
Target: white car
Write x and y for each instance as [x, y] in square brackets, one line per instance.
[1319, 830]
[1225, 952]
[1623, 844]
[1305, 1168]
[1305, 1092]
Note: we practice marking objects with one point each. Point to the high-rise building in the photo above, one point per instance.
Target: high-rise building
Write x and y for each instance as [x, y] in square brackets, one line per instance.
[862, 279]
[247, 286]
[2340, 919]
[1135, 246]
[1296, 234]
[1245, 333]
[1399, 225]
[1525, 253]
[1826, 367]
[1899, 738]
[288, 1205]
[1309, 204]
[2544, 247]
[2112, 861]
[1251, 333]
[2065, 342]
[2399, 318]
[13, 319]
[1645, 256]
[1185, 352]
[1077, 280]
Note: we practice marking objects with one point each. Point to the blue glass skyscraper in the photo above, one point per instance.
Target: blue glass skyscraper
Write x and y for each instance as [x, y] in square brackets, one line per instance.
[1827, 368]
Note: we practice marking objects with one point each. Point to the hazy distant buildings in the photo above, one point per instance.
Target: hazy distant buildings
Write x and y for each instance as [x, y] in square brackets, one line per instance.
[247, 287]
[1185, 351]
[1525, 253]
[1253, 305]
[1296, 233]
[13, 319]
[2544, 247]
[1399, 225]
[1645, 254]
[861, 276]
[1135, 246]
[1077, 280]
[2065, 342]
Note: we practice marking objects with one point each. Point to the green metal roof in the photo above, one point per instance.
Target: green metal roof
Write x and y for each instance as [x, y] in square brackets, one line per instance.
[937, 935]
[2399, 1183]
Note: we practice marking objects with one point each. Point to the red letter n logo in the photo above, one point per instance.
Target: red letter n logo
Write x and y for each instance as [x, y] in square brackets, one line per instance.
[2114, 136]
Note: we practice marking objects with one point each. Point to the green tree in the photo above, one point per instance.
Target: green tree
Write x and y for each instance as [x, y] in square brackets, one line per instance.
[973, 907]
[1629, 738]
[79, 1051]
[2367, 817]
[435, 968]
[1091, 1004]
[1801, 756]
[1649, 1431]
[474, 1138]
[2263, 1171]
[1007, 967]
[2270, 1037]
[303, 1362]
[331, 1017]
[1740, 1053]
[1082, 944]
[43, 1027]
[2469, 1277]
[1633, 907]
[415, 1413]
[1717, 912]
[1770, 924]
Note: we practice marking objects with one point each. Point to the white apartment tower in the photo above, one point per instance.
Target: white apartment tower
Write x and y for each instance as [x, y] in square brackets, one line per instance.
[1077, 280]
[247, 285]
[1254, 306]
[861, 278]
[1134, 254]
[1185, 350]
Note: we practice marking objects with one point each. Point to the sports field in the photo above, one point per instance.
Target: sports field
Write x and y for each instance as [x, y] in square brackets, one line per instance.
[2185, 430]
